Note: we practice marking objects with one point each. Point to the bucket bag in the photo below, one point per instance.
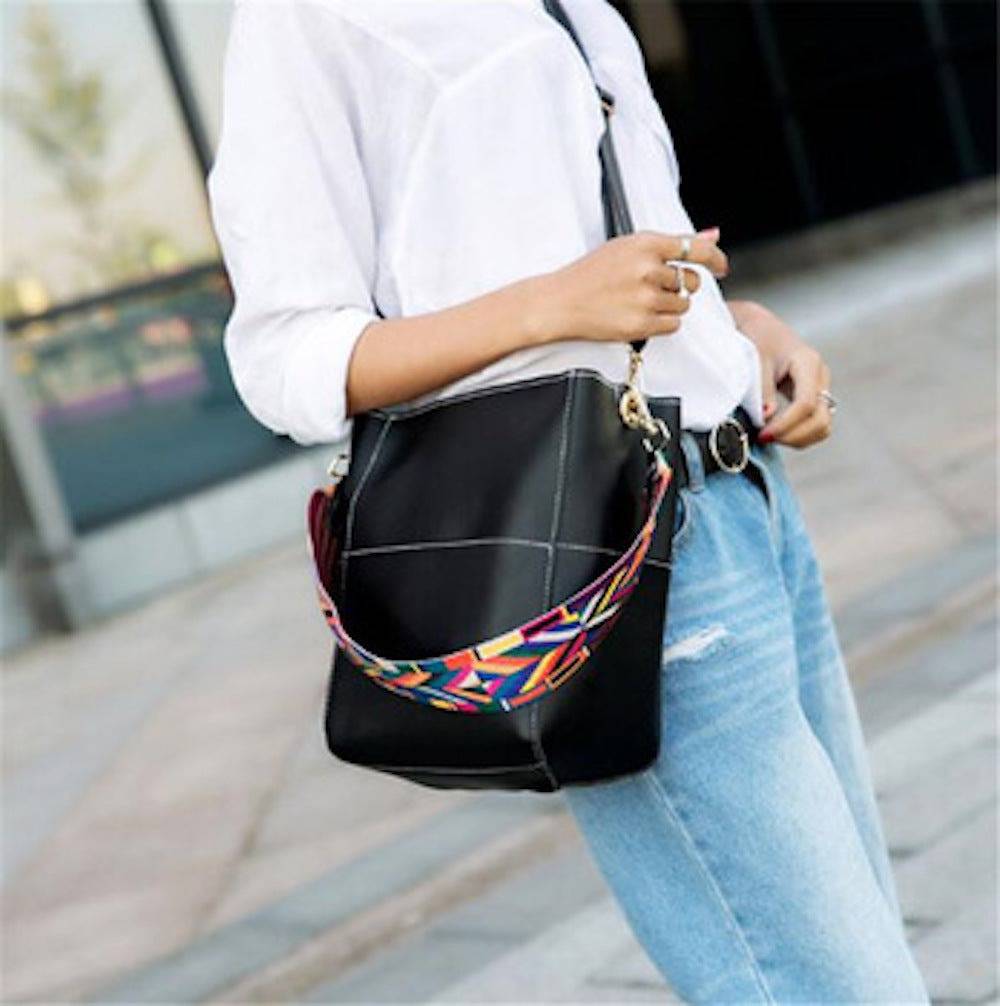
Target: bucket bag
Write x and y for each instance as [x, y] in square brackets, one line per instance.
[495, 569]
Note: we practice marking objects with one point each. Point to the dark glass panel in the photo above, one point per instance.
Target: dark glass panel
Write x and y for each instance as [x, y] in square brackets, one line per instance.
[727, 131]
[971, 31]
[822, 41]
[869, 146]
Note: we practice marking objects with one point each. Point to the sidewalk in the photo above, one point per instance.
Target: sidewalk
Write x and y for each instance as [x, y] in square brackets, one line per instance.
[174, 830]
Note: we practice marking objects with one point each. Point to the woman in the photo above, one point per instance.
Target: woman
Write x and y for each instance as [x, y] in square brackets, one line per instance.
[433, 162]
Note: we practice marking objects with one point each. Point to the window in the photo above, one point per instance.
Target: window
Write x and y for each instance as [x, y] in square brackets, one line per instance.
[112, 289]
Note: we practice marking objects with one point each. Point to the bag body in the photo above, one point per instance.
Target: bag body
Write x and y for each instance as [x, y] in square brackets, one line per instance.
[465, 517]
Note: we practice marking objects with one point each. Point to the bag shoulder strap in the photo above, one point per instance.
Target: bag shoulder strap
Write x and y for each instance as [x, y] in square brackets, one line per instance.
[617, 217]
[520, 664]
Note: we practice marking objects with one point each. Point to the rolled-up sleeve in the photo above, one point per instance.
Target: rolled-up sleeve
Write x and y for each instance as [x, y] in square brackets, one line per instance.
[292, 211]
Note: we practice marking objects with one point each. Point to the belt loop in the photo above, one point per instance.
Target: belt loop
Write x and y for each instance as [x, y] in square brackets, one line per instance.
[693, 462]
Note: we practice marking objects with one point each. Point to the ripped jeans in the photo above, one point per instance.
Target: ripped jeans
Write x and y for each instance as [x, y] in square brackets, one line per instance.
[750, 859]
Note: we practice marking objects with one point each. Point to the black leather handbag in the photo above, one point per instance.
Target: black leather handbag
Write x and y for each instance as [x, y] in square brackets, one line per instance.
[495, 566]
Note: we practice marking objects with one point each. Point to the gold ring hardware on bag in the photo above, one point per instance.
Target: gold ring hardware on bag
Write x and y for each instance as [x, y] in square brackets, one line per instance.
[634, 409]
[744, 441]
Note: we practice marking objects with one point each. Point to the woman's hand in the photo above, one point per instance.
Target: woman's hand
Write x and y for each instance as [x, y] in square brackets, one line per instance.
[624, 290]
[789, 365]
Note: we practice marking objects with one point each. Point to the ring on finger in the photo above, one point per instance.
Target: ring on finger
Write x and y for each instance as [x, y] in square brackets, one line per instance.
[831, 402]
[685, 248]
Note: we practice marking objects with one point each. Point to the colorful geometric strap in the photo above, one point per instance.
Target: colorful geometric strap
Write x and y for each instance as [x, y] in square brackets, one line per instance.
[507, 671]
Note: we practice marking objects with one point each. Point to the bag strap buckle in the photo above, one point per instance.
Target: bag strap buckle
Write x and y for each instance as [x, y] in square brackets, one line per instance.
[634, 409]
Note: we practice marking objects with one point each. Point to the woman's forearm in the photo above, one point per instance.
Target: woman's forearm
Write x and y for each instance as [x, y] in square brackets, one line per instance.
[745, 312]
[622, 291]
[396, 359]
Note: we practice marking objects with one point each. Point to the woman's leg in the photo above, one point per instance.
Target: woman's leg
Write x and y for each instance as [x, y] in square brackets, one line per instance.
[825, 690]
[737, 857]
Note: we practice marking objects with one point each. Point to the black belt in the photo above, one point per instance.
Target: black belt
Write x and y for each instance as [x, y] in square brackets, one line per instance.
[724, 448]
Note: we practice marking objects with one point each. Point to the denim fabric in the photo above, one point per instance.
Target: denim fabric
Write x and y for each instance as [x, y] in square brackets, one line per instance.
[750, 858]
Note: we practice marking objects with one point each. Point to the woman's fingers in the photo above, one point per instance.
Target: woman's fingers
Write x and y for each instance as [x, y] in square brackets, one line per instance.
[805, 416]
[819, 424]
[817, 427]
[768, 388]
[668, 277]
[668, 302]
[704, 251]
[665, 324]
[689, 277]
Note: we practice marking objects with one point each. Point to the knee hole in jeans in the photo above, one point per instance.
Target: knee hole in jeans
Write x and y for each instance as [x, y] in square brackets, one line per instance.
[698, 645]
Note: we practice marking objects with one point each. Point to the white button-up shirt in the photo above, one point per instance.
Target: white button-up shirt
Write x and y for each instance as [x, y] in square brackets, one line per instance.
[413, 154]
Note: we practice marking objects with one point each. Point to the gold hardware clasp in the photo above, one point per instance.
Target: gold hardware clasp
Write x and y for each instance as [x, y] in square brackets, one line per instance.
[634, 409]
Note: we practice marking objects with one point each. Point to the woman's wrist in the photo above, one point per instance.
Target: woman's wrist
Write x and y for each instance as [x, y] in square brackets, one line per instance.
[542, 313]
[760, 325]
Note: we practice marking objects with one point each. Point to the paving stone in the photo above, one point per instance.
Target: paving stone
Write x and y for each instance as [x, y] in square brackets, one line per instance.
[44, 790]
[883, 281]
[923, 591]
[549, 967]
[269, 872]
[905, 752]
[612, 995]
[938, 668]
[426, 965]
[487, 927]
[55, 953]
[532, 899]
[222, 958]
[935, 802]
[191, 974]
[629, 969]
[937, 883]
[959, 957]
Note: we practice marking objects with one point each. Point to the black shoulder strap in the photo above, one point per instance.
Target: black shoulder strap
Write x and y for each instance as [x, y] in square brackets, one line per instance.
[617, 218]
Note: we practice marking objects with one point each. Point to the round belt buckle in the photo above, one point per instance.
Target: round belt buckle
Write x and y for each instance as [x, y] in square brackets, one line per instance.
[729, 445]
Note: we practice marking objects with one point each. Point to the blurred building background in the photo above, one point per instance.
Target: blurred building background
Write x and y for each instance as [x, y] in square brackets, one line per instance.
[129, 463]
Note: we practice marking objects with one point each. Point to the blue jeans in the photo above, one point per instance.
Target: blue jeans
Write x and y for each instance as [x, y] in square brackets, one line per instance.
[749, 858]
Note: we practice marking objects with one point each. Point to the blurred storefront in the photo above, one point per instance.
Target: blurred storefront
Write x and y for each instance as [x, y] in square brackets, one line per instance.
[787, 113]
[130, 464]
